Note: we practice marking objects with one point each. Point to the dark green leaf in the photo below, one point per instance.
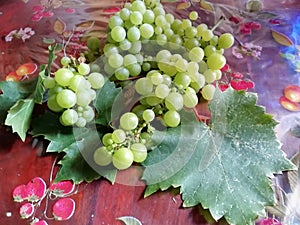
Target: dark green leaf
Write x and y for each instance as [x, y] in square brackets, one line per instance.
[19, 117]
[106, 97]
[48, 126]
[78, 164]
[12, 92]
[226, 166]
[78, 144]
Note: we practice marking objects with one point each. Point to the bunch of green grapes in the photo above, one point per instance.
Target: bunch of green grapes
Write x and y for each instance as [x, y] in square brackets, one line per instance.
[71, 91]
[142, 28]
[127, 143]
[172, 61]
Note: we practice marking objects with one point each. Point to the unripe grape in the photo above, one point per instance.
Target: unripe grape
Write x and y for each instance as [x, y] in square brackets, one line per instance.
[96, 80]
[69, 117]
[226, 40]
[208, 91]
[102, 157]
[139, 151]
[118, 136]
[49, 82]
[216, 61]
[174, 101]
[122, 158]
[171, 118]
[65, 60]
[84, 68]
[148, 115]
[129, 121]
[66, 98]
[63, 76]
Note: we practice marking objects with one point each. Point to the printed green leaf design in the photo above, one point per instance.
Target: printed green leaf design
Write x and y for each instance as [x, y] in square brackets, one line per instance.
[226, 166]
[106, 97]
[77, 145]
[12, 92]
[281, 38]
[19, 117]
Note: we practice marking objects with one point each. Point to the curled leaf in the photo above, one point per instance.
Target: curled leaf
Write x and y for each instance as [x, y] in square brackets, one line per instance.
[206, 5]
[59, 26]
[183, 5]
[129, 220]
[85, 25]
[281, 38]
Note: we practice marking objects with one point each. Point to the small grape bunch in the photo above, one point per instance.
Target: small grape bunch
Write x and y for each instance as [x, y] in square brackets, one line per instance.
[127, 144]
[71, 91]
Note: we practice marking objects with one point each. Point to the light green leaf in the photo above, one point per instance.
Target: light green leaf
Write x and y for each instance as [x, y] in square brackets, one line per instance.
[226, 166]
[40, 89]
[19, 117]
[106, 97]
[12, 92]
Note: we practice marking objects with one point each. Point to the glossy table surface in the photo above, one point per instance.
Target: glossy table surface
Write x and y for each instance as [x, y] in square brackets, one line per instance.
[100, 202]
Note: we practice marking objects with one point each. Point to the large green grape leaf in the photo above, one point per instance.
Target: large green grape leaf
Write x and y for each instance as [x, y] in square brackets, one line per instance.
[19, 116]
[11, 92]
[106, 97]
[226, 166]
[78, 146]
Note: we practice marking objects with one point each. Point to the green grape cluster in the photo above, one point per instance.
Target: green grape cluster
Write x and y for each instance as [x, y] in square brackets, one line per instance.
[142, 28]
[172, 62]
[126, 144]
[71, 91]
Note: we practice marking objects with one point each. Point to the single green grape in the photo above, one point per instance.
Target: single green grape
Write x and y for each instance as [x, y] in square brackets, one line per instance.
[118, 136]
[148, 115]
[129, 121]
[139, 152]
[171, 118]
[102, 156]
[66, 98]
[122, 158]
[63, 76]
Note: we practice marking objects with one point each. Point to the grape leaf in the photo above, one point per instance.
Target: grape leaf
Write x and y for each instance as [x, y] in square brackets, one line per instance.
[78, 163]
[104, 102]
[40, 89]
[19, 116]
[11, 93]
[48, 126]
[78, 144]
[225, 166]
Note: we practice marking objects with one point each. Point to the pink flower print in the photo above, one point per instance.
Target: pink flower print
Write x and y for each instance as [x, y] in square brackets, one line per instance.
[38, 8]
[70, 10]
[47, 14]
[37, 16]
[22, 33]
